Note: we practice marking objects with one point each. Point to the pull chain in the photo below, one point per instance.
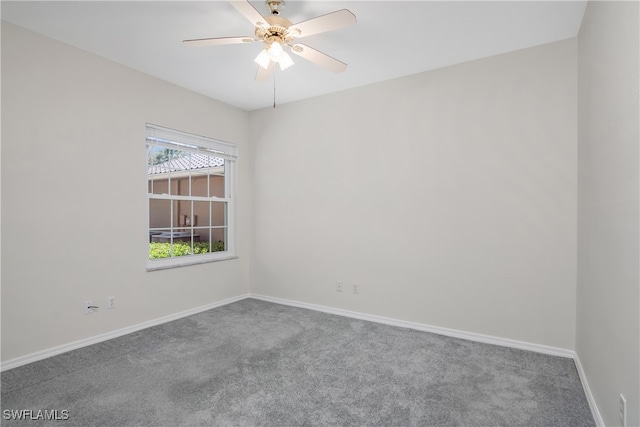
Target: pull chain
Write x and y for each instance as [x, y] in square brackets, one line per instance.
[274, 85]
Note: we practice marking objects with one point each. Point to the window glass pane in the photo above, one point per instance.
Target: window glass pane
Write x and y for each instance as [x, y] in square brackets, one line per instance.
[158, 185]
[203, 244]
[216, 186]
[201, 210]
[199, 182]
[159, 213]
[219, 213]
[219, 239]
[184, 217]
[177, 160]
[181, 184]
[179, 165]
[159, 244]
[175, 206]
[158, 169]
[150, 151]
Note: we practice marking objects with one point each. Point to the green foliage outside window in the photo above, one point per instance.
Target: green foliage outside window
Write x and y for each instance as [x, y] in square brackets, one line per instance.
[159, 250]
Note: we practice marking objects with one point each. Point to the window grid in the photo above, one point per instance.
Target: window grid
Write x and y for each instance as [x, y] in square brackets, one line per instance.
[188, 220]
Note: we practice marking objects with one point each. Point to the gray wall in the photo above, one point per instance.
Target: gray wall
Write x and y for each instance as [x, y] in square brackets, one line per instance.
[608, 318]
[448, 196]
[74, 195]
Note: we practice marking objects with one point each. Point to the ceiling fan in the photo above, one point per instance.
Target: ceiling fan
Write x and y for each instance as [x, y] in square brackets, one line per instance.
[277, 33]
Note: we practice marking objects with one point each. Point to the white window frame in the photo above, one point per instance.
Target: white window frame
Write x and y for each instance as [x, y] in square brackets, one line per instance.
[183, 141]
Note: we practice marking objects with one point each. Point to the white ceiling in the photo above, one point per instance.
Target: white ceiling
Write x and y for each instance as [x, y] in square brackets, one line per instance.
[391, 39]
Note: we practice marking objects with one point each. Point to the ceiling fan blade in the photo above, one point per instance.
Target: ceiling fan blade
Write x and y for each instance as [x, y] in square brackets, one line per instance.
[248, 11]
[216, 41]
[319, 58]
[264, 75]
[329, 22]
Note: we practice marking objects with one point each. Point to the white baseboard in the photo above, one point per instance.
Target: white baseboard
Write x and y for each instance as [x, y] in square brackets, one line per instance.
[587, 391]
[33, 357]
[487, 339]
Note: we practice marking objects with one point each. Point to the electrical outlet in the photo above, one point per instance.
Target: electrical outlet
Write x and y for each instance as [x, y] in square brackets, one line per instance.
[356, 288]
[623, 411]
[339, 286]
[111, 302]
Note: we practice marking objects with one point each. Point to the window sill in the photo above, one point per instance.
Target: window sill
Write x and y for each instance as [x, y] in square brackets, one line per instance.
[167, 266]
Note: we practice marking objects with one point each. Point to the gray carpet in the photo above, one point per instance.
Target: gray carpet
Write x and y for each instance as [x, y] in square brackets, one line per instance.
[257, 363]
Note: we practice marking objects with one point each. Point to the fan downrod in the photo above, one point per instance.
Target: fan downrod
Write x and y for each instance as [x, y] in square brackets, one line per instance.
[275, 6]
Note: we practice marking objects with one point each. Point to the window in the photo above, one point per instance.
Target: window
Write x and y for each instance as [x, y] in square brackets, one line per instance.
[191, 201]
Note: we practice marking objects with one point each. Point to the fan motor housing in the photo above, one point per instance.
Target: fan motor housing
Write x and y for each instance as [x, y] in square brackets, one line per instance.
[277, 30]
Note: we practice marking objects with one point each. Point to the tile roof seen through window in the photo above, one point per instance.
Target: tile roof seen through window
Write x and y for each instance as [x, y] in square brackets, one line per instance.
[190, 162]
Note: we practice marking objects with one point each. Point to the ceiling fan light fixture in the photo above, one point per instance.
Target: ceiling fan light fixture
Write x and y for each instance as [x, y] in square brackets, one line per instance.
[263, 59]
[275, 51]
[285, 61]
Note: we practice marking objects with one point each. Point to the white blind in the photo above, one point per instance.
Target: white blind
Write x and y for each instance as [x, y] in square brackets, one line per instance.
[169, 138]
